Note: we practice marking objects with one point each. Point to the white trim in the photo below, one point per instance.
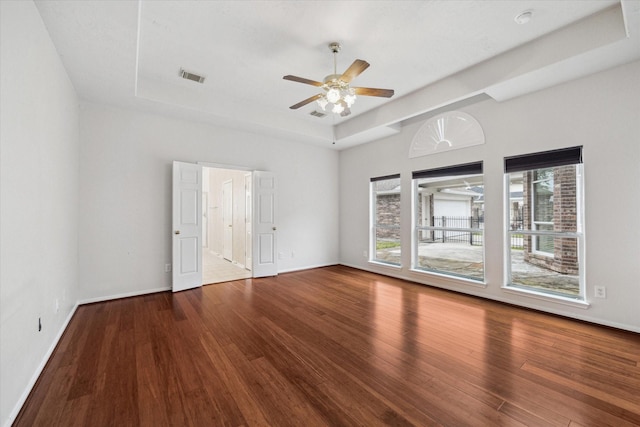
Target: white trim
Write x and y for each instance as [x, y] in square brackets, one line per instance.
[372, 221]
[223, 166]
[595, 321]
[34, 378]
[124, 295]
[310, 267]
[373, 224]
[455, 280]
[506, 227]
[395, 271]
[385, 264]
[545, 296]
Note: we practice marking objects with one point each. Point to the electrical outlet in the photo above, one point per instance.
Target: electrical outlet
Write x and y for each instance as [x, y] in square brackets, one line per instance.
[293, 255]
[57, 305]
[280, 255]
[600, 292]
[365, 254]
[167, 268]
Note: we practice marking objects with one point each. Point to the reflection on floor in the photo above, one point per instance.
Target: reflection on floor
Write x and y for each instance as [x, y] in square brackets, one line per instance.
[216, 269]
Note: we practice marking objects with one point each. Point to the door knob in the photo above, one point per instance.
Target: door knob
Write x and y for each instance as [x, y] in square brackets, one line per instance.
[274, 229]
[176, 232]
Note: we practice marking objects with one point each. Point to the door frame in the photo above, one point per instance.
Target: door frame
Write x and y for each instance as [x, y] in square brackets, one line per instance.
[250, 171]
[248, 221]
[227, 220]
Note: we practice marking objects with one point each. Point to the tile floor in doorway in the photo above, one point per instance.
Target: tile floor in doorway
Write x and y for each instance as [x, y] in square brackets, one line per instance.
[216, 269]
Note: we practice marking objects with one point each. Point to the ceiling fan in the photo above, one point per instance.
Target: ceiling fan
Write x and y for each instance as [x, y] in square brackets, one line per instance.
[336, 89]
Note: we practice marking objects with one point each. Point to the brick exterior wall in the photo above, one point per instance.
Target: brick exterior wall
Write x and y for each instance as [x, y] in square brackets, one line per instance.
[388, 213]
[565, 251]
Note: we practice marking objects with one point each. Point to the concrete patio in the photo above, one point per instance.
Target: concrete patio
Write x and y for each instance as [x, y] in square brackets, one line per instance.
[462, 259]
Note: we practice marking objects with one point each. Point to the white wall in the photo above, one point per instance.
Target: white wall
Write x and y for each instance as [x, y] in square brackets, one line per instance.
[38, 200]
[125, 195]
[600, 112]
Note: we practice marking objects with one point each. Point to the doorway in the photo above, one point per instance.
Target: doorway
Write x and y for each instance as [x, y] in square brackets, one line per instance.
[189, 182]
[226, 256]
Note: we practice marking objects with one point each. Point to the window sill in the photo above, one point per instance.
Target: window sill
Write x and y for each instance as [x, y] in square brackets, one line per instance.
[546, 297]
[450, 280]
[384, 264]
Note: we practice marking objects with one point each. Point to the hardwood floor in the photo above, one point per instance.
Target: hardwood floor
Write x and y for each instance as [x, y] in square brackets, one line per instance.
[333, 346]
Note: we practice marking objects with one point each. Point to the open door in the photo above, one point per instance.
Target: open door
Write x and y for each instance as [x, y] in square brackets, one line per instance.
[187, 226]
[264, 225]
[248, 242]
[227, 220]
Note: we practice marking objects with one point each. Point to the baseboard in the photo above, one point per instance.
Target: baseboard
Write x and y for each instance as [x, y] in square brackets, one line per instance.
[124, 295]
[309, 267]
[34, 378]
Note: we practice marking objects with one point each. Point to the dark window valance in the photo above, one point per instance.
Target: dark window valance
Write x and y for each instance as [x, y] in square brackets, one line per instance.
[382, 178]
[465, 169]
[544, 159]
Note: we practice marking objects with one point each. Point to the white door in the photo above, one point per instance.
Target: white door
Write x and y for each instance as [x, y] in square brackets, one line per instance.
[205, 220]
[227, 220]
[187, 226]
[248, 262]
[264, 224]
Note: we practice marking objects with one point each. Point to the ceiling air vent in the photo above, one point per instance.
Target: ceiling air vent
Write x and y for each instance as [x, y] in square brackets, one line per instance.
[191, 76]
[316, 113]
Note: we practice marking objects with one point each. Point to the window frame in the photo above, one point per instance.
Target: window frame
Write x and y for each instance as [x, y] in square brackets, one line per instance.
[534, 222]
[462, 171]
[374, 226]
[555, 158]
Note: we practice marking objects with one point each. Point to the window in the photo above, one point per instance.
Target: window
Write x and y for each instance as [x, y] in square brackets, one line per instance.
[545, 222]
[448, 217]
[385, 220]
[542, 209]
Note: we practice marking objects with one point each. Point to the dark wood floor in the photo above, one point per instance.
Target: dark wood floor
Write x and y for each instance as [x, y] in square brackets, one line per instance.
[333, 346]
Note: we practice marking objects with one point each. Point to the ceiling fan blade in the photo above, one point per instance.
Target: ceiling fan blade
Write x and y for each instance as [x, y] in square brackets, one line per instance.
[354, 70]
[305, 102]
[302, 80]
[369, 91]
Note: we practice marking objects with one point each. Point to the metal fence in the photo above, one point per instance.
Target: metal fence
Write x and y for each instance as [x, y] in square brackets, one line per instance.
[471, 237]
[517, 240]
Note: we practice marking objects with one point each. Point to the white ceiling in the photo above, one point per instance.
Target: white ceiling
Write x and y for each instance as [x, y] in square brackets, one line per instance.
[434, 54]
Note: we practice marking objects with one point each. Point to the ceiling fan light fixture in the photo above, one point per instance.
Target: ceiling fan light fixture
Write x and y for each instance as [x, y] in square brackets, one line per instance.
[337, 108]
[322, 102]
[333, 95]
[349, 97]
[345, 112]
